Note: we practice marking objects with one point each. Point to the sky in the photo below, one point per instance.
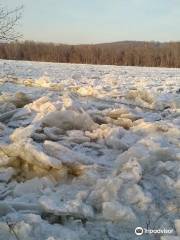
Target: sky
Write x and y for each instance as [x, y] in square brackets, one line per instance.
[95, 21]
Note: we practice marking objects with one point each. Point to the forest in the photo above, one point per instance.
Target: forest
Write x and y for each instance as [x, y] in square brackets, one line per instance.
[127, 53]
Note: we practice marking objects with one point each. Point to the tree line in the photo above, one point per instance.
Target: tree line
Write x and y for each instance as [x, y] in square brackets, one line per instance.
[128, 53]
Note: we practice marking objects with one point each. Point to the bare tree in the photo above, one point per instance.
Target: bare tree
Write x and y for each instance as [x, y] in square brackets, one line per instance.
[122, 53]
[9, 20]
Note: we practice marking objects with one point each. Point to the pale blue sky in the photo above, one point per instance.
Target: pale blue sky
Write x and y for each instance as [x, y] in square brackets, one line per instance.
[92, 21]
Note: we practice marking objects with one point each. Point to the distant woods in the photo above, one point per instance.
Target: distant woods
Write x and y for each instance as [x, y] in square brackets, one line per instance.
[151, 54]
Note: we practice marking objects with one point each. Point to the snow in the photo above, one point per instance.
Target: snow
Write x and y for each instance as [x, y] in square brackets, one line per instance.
[88, 152]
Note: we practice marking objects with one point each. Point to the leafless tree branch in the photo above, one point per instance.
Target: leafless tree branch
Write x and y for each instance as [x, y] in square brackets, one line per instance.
[9, 19]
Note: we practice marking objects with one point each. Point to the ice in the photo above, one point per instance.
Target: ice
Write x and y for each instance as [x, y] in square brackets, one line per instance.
[4, 159]
[143, 98]
[114, 211]
[130, 170]
[22, 133]
[44, 105]
[64, 154]
[74, 208]
[170, 238]
[77, 136]
[135, 195]
[32, 153]
[116, 113]
[88, 152]
[18, 100]
[124, 122]
[87, 91]
[53, 133]
[68, 120]
[177, 225]
[106, 190]
[33, 227]
[6, 174]
[33, 186]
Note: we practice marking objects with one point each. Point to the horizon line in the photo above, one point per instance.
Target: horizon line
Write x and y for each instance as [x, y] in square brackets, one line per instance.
[96, 43]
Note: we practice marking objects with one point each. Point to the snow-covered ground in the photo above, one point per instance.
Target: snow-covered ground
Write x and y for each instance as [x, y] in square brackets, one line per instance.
[88, 152]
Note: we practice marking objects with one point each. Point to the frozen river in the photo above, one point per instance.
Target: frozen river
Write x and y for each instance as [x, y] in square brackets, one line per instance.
[89, 152]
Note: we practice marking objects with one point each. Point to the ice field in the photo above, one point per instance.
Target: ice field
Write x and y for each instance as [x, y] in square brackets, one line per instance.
[88, 152]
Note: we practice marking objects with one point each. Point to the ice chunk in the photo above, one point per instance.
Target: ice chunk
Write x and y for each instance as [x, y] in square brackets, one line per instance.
[135, 195]
[20, 99]
[140, 95]
[4, 159]
[53, 133]
[68, 120]
[7, 115]
[87, 91]
[124, 122]
[106, 190]
[114, 211]
[77, 136]
[32, 154]
[130, 171]
[113, 139]
[64, 154]
[116, 113]
[6, 107]
[177, 226]
[74, 208]
[36, 105]
[5, 232]
[35, 185]
[22, 114]
[6, 174]
[22, 133]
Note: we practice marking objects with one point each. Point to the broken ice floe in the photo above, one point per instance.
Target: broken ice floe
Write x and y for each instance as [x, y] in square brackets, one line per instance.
[92, 162]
